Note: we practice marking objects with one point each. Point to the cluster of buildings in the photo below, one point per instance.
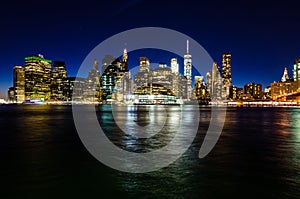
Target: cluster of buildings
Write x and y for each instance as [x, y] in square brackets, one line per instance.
[44, 80]
[287, 89]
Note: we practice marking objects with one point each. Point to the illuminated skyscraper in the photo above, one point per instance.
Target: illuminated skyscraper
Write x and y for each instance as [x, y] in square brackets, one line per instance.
[188, 68]
[285, 75]
[37, 77]
[214, 82]
[19, 84]
[115, 79]
[174, 65]
[74, 89]
[144, 64]
[92, 90]
[200, 90]
[58, 76]
[125, 60]
[296, 72]
[226, 74]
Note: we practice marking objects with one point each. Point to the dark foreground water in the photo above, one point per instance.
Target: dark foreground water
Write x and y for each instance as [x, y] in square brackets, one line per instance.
[257, 155]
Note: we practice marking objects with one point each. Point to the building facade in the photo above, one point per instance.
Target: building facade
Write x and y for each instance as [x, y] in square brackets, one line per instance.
[58, 77]
[214, 83]
[19, 84]
[37, 77]
[188, 69]
[253, 91]
[226, 75]
[296, 72]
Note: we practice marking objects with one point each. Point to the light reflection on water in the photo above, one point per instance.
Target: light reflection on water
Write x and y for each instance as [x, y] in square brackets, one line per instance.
[258, 155]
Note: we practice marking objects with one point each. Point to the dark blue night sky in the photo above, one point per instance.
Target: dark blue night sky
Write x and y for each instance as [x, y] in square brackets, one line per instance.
[262, 37]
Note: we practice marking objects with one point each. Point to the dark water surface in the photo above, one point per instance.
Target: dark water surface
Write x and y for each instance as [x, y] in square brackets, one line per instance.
[257, 155]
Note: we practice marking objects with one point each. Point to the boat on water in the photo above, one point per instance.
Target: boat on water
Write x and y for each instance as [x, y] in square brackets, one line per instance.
[33, 102]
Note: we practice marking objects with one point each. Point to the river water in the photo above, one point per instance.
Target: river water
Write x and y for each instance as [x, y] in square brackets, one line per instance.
[257, 155]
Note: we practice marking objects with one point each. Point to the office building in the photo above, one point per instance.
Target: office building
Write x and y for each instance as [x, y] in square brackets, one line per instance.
[253, 91]
[58, 76]
[174, 65]
[188, 68]
[37, 77]
[226, 75]
[19, 84]
[214, 83]
[296, 72]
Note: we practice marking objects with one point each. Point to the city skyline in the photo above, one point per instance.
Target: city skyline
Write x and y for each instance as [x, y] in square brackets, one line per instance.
[261, 36]
[47, 81]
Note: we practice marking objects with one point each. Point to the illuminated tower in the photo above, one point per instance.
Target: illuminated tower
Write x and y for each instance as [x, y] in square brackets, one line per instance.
[285, 75]
[19, 84]
[59, 75]
[125, 60]
[296, 72]
[37, 77]
[144, 64]
[188, 69]
[226, 74]
[92, 90]
[174, 65]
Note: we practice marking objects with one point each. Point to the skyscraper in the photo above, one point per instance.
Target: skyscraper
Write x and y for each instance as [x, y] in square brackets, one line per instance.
[200, 90]
[144, 64]
[226, 74]
[174, 65]
[124, 61]
[296, 72]
[188, 69]
[58, 76]
[285, 75]
[92, 90]
[19, 84]
[214, 82]
[37, 77]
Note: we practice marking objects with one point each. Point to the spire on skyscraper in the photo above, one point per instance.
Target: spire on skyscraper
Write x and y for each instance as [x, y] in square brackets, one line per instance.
[285, 76]
[95, 64]
[187, 46]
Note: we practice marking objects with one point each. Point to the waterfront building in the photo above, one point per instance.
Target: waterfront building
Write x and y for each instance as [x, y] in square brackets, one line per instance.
[73, 89]
[296, 72]
[19, 84]
[115, 80]
[37, 77]
[285, 86]
[214, 82]
[200, 90]
[92, 89]
[236, 93]
[226, 75]
[253, 91]
[188, 69]
[11, 95]
[58, 76]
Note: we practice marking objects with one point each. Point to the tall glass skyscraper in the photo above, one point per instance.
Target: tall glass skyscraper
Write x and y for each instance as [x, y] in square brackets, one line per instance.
[188, 69]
